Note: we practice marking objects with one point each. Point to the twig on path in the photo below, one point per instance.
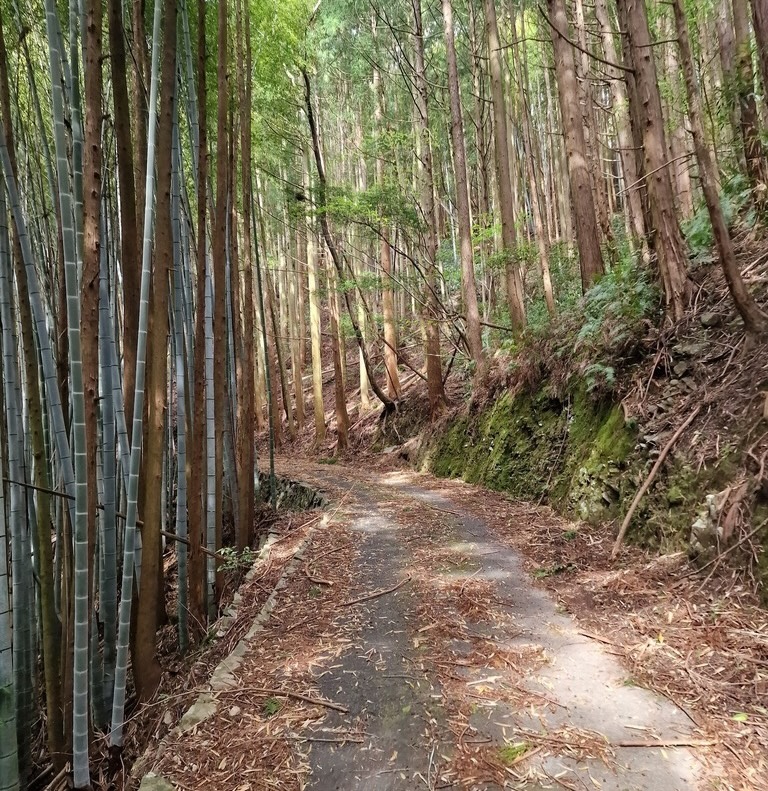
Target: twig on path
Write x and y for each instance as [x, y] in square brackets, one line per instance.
[523, 757]
[593, 636]
[309, 563]
[316, 580]
[650, 479]
[340, 740]
[325, 554]
[665, 743]
[437, 508]
[282, 693]
[604, 741]
[377, 594]
[464, 584]
[298, 624]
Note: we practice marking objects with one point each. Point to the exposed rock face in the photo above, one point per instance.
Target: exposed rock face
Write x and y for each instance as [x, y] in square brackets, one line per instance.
[705, 531]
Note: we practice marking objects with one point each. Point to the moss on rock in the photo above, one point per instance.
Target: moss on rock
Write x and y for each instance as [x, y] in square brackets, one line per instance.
[569, 453]
[580, 456]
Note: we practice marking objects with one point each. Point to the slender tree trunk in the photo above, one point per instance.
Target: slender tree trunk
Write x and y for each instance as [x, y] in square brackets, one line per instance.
[359, 265]
[432, 307]
[726, 47]
[678, 148]
[668, 242]
[129, 230]
[385, 256]
[281, 378]
[468, 285]
[335, 257]
[147, 669]
[582, 198]
[632, 194]
[757, 169]
[340, 400]
[89, 288]
[507, 203]
[50, 627]
[246, 489]
[755, 320]
[591, 135]
[317, 359]
[315, 329]
[197, 484]
[132, 286]
[534, 187]
[760, 24]
[220, 268]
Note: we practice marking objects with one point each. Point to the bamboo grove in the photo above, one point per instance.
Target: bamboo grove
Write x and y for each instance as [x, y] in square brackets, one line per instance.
[199, 200]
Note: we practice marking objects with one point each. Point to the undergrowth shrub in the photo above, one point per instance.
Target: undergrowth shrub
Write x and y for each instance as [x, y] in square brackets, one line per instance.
[736, 203]
[592, 342]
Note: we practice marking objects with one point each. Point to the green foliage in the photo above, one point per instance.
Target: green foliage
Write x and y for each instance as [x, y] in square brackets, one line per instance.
[509, 753]
[735, 202]
[234, 560]
[271, 707]
[524, 254]
[615, 306]
[553, 570]
[379, 204]
[599, 376]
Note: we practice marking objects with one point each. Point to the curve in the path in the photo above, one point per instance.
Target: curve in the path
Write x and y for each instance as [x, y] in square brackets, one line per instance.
[388, 685]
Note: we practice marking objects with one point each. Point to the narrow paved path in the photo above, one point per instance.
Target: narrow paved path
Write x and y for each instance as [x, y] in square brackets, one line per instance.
[468, 675]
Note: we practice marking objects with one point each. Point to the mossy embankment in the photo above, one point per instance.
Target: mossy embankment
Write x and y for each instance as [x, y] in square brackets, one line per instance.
[575, 453]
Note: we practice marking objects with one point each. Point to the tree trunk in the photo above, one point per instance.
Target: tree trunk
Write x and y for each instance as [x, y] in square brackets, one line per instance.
[89, 287]
[50, 627]
[750, 123]
[220, 270]
[668, 242]
[760, 24]
[632, 190]
[591, 137]
[533, 160]
[342, 419]
[147, 669]
[385, 258]
[197, 483]
[507, 203]
[129, 231]
[755, 321]
[726, 47]
[247, 484]
[432, 308]
[468, 285]
[323, 217]
[582, 199]
[315, 332]
[678, 147]
[131, 296]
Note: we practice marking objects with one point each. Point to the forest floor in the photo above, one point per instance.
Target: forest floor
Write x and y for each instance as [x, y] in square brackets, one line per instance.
[436, 635]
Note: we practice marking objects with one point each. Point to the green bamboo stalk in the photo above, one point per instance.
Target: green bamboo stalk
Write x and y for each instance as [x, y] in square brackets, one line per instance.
[9, 761]
[129, 540]
[181, 391]
[19, 528]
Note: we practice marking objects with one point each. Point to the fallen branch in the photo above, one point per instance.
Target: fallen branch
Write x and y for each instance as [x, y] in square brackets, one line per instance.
[593, 636]
[282, 693]
[316, 580]
[665, 743]
[377, 594]
[650, 479]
